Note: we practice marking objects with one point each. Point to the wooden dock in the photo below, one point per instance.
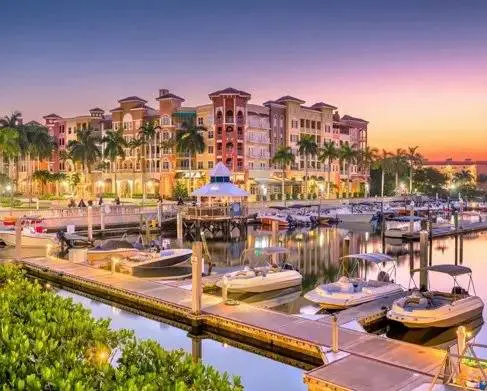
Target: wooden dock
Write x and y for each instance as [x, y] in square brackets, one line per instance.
[365, 361]
[443, 232]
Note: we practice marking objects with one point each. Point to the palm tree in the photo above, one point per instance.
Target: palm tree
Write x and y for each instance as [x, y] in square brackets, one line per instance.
[463, 177]
[85, 150]
[398, 163]
[307, 147]
[383, 162]
[145, 135]
[11, 121]
[9, 146]
[348, 155]
[283, 156]
[43, 176]
[414, 158]
[56, 178]
[327, 154]
[115, 145]
[366, 158]
[190, 140]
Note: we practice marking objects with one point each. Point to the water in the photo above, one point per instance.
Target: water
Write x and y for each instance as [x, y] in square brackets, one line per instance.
[256, 372]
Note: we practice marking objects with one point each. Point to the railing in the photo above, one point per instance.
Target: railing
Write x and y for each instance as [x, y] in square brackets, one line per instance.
[215, 212]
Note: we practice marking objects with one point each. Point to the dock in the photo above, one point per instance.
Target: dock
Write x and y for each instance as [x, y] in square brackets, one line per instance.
[364, 361]
[443, 232]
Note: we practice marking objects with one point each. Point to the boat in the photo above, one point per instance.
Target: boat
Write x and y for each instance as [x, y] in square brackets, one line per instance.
[33, 235]
[397, 227]
[156, 260]
[266, 278]
[268, 218]
[424, 308]
[118, 248]
[349, 291]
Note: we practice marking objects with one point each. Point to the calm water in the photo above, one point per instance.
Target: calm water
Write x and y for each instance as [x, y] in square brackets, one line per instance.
[255, 371]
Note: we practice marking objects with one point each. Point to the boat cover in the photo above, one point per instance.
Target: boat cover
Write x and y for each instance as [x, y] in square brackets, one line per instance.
[370, 257]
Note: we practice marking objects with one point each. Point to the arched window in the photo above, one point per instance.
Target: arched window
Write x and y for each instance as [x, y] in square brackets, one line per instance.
[229, 113]
[229, 129]
[165, 120]
[219, 114]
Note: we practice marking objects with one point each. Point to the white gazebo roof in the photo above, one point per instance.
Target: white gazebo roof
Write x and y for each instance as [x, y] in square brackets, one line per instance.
[220, 185]
[220, 189]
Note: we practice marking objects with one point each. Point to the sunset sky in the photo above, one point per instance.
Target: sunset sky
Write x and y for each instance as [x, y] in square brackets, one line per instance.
[417, 70]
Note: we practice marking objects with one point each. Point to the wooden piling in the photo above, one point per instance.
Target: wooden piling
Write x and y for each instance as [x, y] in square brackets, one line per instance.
[197, 288]
[18, 239]
[90, 222]
[423, 258]
[179, 227]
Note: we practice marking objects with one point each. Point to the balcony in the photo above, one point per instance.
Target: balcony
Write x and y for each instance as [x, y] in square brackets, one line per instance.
[229, 120]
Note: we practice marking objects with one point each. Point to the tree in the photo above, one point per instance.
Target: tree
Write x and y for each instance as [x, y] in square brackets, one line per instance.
[307, 147]
[348, 155]
[143, 140]
[14, 121]
[430, 181]
[179, 191]
[327, 154]
[366, 158]
[463, 177]
[9, 146]
[190, 140]
[414, 159]
[398, 163]
[383, 163]
[85, 150]
[115, 145]
[43, 176]
[74, 181]
[283, 156]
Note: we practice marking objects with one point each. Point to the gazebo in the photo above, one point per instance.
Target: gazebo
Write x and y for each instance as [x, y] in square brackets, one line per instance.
[220, 189]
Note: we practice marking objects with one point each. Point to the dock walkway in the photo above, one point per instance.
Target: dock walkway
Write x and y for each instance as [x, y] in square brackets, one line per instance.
[365, 362]
[443, 232]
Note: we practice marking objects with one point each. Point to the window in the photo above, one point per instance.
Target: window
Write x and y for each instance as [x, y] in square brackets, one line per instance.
[281, 121]
[166, 120]
[274, 121]
[200, 121]
[219, 131]
[69, 130]
[210, 134]
[165, 165]
[210, 164]
[200, 165]
[302, 123]
[307, 123]
[313, 125]
[318, 125]
[318, 140]
[210, 149]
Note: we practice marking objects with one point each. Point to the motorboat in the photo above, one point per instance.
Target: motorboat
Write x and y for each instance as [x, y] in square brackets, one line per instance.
[268, 218]
[350, 290]
[269, 277]
[156, 260]
[32, 235]
[119, 248]
[397, 227]
[424, 308]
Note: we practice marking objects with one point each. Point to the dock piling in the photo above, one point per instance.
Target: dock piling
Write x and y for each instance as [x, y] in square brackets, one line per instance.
[197, 289]
[334, 334]
[18, 239]
[159, 214]
[102, 219]
[423, 258]
[225, 289]
[179, 227]
[90, 222]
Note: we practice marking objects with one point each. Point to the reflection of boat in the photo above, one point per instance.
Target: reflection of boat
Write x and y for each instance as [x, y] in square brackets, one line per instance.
[119, 248]
[432, 336]
[264, 278]
[32, 234]
[438, 309]
[349, 291]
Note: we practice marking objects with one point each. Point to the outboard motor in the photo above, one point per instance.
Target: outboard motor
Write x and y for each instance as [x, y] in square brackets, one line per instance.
[290, 220]
[61, 236]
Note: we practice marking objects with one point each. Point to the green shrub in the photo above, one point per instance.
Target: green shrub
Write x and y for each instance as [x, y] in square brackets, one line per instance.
[50, 343]
[179, 191]
[8, 202]
[148, 196]
[50, 197]
[109, 195]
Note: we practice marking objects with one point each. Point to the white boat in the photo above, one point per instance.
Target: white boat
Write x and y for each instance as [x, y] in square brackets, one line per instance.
[400, 226]
[362, 217]
[156, 260]
[349, 291]
[422, 309]
[268, 218]
[110, 248]
[30, 238]
[264, 278]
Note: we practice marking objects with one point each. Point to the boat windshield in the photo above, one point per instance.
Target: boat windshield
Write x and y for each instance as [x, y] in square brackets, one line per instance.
[453, 271]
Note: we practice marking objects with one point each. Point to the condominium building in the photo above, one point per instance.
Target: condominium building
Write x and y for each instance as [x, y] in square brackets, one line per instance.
[243, 135]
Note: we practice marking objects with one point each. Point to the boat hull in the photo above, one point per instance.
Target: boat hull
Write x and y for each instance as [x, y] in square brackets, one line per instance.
[356, 218]
[28, 239]
[163, 262]
[102, 255]
[460, 311]
[340, 301]
[259, 284]
[269, 220]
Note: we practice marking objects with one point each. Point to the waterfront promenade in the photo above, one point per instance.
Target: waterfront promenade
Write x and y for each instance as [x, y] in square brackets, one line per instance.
[364, 361]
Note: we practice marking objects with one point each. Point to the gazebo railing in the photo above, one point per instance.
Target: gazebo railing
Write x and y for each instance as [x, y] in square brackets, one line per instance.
[215, 212]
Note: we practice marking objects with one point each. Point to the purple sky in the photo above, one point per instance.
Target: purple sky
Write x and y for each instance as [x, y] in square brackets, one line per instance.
[416, 70]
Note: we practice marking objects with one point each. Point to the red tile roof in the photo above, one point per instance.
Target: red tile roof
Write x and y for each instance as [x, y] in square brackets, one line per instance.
[289, 97]
[350, 118]
[230, 91]
[51, 116]
[116, 109]
[97, 109]
[319, 105]
[132, 98]
[169, 96]
[272, 102]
